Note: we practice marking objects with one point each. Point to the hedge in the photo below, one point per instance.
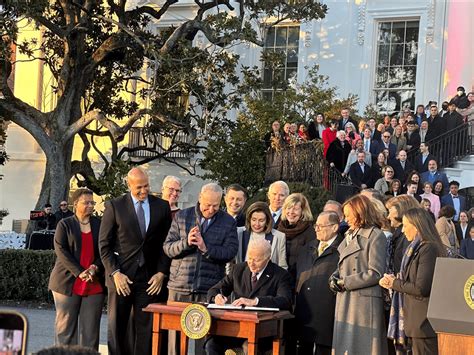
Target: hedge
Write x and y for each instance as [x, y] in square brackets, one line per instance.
[24, 274]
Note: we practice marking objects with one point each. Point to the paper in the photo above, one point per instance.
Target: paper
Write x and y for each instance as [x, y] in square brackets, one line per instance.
[242, 308]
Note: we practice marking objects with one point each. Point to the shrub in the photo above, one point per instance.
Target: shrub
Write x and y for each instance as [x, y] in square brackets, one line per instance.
[317, 196]
[25, 274]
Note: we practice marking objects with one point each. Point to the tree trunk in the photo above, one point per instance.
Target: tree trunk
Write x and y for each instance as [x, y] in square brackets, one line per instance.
[56, 179]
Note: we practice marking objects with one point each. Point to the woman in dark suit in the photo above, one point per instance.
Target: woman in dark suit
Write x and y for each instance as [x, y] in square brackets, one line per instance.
[409, 313]
[76, 280]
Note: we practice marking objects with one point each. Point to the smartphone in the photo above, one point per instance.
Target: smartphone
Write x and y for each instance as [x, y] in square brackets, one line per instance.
[13, 331]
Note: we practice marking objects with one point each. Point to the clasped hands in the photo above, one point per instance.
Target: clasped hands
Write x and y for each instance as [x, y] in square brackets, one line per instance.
[249, 302]
[336, 284]
[387, 281]
[122, 283]
[89, 274]
[195, 238]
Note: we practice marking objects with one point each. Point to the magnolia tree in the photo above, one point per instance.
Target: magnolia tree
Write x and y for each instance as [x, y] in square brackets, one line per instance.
[97, 50]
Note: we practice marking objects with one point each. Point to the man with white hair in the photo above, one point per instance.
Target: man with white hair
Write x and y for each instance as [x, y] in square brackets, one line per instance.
[170, 191]
[256, 282]
[201, 240]
[277, 193]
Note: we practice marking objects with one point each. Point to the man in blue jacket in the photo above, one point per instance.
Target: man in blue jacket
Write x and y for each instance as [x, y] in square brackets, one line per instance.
[201, 240]
[433, 175]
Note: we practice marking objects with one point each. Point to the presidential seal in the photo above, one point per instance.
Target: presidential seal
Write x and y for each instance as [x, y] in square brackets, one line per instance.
[469, 292]
[195, 321]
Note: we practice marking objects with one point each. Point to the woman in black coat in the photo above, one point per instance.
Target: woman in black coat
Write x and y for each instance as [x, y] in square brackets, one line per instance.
[77, 280]
[414, 283]
[338, 152]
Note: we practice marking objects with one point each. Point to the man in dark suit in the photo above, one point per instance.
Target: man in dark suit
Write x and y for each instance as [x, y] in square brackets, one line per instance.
[278, 191]
[437, 124]
[385, 144]
[402, 166]
[345, 118]
[257, 282]
[421, 160]
[374, 133]
[412, 136]
[235, 199]
[360, 172]
[433, 175]
[454, 199]
[133, 229]
[370, 146]
[275, 134]
[412, 188]
[315, 302]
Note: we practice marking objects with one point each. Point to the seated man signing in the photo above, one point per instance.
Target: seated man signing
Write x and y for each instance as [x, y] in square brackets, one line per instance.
[256, 282]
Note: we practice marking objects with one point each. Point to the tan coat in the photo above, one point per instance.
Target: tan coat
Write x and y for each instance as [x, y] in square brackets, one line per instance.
[359, 326]
[446, 228]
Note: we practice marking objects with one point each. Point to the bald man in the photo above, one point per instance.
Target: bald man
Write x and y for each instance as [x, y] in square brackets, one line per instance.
[132, 232]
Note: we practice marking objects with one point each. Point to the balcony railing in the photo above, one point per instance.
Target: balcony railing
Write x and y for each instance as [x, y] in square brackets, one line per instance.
[156, 145]
[303, 162]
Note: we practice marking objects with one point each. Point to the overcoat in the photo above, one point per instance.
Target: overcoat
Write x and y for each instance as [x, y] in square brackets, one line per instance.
[359, 326]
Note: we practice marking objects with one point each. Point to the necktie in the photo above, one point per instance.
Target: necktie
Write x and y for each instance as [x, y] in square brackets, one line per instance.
[141, 218]
[205, 225]
[254, 280]
[403, 165]
[322, 247]
[366, 145]
[362, 168]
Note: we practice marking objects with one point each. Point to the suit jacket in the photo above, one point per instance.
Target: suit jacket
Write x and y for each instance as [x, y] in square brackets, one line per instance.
[358, 177]
[67, 246]
[392, 150]
[121, 241]
[342, 127]
[377, 136]
[417, 289]
[459, 233]
[400, 173]
[273, 288]
[420, 166]
[437, 176]
[448, 200]
[437, 125]
[373, 149]
[338, 155]
[314, 319]
[275, 238]
[414, 140]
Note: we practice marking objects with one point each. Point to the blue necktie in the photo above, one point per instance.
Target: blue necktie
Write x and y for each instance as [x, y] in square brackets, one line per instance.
[205, 225]
[141, 218]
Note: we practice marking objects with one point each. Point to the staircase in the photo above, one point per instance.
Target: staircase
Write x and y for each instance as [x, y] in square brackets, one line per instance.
[462, 171]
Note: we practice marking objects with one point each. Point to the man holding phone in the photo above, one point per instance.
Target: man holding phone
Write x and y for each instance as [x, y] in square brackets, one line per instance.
[201, 240]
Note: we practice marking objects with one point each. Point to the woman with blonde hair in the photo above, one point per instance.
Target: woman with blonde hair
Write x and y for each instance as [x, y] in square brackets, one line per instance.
[408, 316]
[297, 225]
[359, 315]
[258, 225]
[434, 200]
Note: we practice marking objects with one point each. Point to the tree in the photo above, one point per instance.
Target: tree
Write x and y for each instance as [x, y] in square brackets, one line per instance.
[97, 50]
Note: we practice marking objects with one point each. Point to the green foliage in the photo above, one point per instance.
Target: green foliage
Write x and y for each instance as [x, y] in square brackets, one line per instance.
[112, 183]
[317, 196]
[25, 274]
[371, 111]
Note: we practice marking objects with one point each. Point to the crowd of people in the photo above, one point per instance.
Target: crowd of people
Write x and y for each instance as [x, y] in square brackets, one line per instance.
[357, 276]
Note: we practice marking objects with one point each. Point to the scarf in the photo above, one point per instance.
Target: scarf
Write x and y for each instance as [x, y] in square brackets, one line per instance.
[294, 230]
[396, 328]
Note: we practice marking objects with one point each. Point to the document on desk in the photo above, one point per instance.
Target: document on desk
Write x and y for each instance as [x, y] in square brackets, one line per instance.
[242, 308]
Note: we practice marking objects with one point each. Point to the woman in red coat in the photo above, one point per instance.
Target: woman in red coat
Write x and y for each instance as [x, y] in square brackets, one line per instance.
[329, 135]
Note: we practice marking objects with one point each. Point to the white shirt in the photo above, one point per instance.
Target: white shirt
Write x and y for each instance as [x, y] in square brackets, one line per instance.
[275, 214]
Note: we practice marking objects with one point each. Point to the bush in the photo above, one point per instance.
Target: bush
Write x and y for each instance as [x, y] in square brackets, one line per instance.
[317, 196]
[25, 274]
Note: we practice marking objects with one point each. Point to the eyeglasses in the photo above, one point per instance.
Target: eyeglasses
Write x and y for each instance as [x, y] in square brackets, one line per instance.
[319, 226]
[178, 191]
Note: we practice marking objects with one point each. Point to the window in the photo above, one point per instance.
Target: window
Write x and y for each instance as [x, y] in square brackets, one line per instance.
[280, 40]
[395, 76]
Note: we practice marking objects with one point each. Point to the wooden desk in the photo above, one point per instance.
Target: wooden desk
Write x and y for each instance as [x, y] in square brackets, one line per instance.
[238, 324]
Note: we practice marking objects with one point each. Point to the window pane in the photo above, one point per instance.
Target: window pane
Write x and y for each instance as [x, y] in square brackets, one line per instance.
[293, 36]
[412, 31]
[411, 53]
[384, 32]
[384, 52]
[381, 77]
[267, 95]
[395, 77]
[281, 36]
[292, 58]
[398, 32]
[387, 101]
[410, 77]
[396, 54]
[270, 37]
[291, 74]
[267, 78]
[407, 98]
